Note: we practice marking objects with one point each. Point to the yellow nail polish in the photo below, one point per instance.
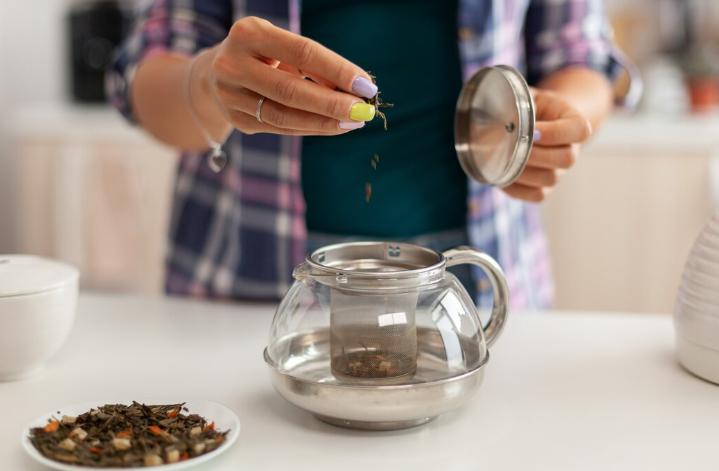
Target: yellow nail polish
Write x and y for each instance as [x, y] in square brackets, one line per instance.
[362, 111]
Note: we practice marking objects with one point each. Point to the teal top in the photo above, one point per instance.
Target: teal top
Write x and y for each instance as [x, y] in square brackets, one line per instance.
[417, 185]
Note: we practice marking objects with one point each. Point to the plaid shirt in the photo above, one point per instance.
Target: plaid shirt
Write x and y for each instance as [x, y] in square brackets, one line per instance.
[239, 233]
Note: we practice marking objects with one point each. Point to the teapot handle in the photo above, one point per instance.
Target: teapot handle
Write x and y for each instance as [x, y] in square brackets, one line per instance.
[462, 255]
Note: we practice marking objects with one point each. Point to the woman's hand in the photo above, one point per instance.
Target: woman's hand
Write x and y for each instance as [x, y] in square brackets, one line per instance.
[560, 129]
[258, 59]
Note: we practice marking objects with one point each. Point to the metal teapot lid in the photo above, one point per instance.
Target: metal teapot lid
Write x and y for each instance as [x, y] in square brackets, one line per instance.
[494, 125]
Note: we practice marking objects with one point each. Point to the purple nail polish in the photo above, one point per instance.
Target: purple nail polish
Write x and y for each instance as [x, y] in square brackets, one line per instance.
[363, 87]
[537, 135]
[351, 124]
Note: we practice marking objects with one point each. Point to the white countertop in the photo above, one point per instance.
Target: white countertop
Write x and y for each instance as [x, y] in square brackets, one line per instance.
[563, 391]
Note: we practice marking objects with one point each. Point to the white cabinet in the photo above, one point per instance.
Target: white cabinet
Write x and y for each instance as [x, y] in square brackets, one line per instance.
[621, 223]
[93, 191]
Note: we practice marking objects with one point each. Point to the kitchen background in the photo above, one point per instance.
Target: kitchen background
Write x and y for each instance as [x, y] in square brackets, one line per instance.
[78, 184]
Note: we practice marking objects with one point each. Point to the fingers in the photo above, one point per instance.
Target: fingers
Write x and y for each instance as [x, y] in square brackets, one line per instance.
[562, 157]
[287, 89]
[539, 177]
[561, 128]
[248, 124]
[295, 71]
[545, 167]
[568, 130]
[276, 114]
[267, 40]
[259, 60]
[527, 193]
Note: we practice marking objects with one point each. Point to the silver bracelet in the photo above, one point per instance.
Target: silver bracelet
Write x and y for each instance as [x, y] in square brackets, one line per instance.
[217, 159]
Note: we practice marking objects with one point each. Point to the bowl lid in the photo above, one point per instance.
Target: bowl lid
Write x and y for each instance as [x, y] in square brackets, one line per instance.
[494, 125]
[28, 274]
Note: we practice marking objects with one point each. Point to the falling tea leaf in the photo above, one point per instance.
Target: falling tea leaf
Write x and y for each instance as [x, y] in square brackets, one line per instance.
[374, 161]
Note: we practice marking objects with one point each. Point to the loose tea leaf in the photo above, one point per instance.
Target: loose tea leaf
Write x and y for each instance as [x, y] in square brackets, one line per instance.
[371, 364]
[374, 161]
[117, 435]
[379, 104]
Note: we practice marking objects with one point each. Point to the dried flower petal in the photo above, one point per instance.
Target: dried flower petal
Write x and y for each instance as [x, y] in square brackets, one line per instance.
[52, 426]
[124, 434]
[121, 444]
[172, 455]
[155, 430]
[152, 460]
[67, 444]
[79, 433]
[68, 420]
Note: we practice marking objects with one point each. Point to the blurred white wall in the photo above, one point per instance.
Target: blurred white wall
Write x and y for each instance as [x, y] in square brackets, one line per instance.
[4, 176]
[32, 49]
[76, 182]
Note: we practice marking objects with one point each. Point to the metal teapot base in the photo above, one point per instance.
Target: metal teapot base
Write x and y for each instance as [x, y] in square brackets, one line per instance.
[374, 426]
[310, 385]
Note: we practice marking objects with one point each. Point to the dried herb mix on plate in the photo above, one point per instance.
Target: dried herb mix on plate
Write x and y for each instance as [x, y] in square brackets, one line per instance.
[117, 435]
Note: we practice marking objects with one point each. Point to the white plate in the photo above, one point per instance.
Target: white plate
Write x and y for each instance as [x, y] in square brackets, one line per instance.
[223, 417]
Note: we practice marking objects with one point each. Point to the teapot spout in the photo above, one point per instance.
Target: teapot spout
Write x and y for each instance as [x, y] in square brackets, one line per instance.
[302, 272]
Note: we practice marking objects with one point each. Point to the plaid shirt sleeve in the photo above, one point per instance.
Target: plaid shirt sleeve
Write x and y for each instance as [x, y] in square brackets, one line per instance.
[562, 33]
[179, 26]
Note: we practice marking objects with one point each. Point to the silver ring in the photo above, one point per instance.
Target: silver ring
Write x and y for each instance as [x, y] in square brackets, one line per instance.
[258, 111]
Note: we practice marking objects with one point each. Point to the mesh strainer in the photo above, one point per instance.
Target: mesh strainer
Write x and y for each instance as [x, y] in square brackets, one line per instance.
[373, 334]
[373, 338]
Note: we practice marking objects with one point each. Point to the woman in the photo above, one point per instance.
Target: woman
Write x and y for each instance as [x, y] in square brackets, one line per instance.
[198, 72]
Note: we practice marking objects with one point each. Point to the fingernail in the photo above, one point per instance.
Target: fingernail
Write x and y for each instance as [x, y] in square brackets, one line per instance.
[362, 111]
[537, 135]
[351, 124]
[363, 87]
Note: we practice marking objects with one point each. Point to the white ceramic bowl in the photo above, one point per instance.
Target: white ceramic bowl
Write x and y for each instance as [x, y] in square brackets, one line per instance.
[38, 298]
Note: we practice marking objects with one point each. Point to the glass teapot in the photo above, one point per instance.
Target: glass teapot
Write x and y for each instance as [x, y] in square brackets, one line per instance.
[379, 335]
